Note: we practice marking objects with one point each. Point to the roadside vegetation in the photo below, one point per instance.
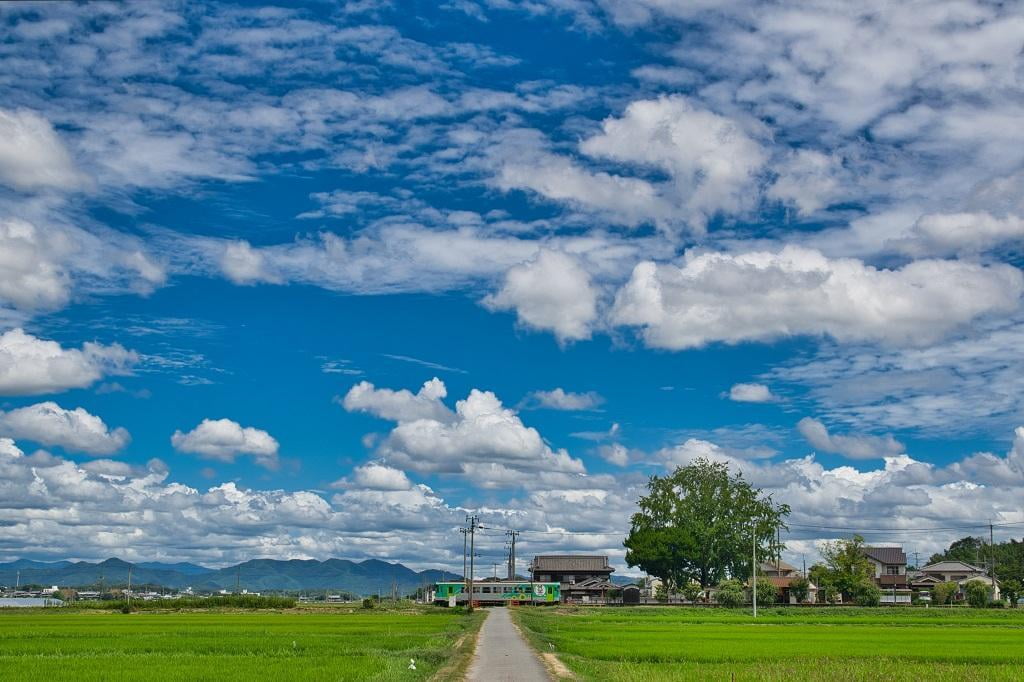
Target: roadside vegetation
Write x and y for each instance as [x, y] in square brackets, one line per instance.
[296, 644]
[230, 601]
[881, 643]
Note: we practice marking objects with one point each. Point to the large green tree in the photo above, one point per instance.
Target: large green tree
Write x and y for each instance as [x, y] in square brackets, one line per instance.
[848, 569]
[699, 523]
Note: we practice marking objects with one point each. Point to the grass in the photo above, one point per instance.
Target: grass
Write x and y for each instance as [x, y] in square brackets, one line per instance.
[783, 644]
[238, 601]
[297, 644]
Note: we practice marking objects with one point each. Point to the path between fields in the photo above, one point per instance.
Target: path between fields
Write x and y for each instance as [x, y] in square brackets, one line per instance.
[502, 655]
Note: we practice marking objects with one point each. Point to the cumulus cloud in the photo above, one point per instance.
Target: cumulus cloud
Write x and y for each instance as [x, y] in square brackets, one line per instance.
[854, 447]
[74, 430]
[402, 405]
[552, 292]
[751, 393]
[482, 437]
[717, 296]
[31, 366]
[712, 161]
[41, 265]
[945, 234]
[380, 477]
[243, 264]
[224, 440]
[32, 155]
[560, 399]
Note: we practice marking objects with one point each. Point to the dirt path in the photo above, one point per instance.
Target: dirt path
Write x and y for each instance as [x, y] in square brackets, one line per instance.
[502, 655]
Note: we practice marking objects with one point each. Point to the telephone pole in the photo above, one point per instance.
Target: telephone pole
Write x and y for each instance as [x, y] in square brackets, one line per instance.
[474, 522]
[513, 534]
[753, 565]
[129, 593]
[992, 554]
[465, 539]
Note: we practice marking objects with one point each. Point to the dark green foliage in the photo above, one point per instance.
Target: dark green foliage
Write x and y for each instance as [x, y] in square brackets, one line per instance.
[767, 593]
[692, 591]
[846, 568]
[367, 603]
[230, 601]
[1011, 590]
[730, 594]
[943, 593]
[977, 594]
[800, 588]
[866, 593]
[698, 524]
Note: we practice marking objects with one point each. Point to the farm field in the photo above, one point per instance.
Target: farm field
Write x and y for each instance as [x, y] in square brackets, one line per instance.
[295, 644]
[783, 644]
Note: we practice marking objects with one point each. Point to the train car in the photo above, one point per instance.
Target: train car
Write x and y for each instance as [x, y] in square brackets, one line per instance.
[498, 592]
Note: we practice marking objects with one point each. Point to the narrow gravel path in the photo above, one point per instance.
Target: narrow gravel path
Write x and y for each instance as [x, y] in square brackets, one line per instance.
[502, 655]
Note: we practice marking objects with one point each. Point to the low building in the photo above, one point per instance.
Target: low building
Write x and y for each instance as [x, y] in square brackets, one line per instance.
[782, 575]
[582, 578]
[889, 566]
[950, 571]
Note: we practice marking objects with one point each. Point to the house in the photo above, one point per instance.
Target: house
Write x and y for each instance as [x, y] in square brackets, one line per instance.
[950, 571]
[782, 576]
[582, 577]
[889, 566]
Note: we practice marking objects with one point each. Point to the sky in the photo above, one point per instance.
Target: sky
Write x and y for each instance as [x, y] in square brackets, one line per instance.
[316, 280]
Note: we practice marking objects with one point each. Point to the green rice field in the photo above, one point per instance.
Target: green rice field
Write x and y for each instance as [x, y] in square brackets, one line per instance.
[663, 643]
[293, 644]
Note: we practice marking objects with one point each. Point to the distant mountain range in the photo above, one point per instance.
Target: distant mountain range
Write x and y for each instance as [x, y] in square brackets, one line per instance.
[363, 577]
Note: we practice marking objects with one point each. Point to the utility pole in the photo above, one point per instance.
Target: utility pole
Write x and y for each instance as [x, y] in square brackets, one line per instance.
[474, 521]
[917, 561]
[513, 534]
[129, 586]
[238, 578]
[494, 566]
[465, 539]
[992, 554]
[753, 565]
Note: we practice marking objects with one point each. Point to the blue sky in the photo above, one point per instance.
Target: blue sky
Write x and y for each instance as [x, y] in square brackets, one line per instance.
[312, 280]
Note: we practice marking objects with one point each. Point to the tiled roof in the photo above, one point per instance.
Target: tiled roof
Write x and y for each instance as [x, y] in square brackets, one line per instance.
[771, 566]
[951, 566]
[571, 562]
[886, 555]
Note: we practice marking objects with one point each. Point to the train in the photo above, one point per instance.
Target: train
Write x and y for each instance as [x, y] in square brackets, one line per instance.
[498, 592]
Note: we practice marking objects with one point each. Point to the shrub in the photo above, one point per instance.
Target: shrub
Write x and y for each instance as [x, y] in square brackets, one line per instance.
[367, 603]
[943, 593]
[692, 591]
[866, 594]
[977, 594]
[729, 594]
[767, 593]
[800, 589]
[661, 592]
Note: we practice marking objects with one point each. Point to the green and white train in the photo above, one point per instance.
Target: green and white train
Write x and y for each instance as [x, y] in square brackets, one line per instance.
[500, 592]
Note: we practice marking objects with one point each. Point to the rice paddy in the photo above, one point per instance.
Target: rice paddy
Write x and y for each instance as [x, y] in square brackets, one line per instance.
[799, 643]
[293, 644]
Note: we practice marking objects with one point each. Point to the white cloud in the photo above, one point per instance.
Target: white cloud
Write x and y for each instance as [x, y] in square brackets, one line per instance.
[712, 161]
[944, 234]
[808, 179]
[32, 156]
[243, 264]
[380, 477]
[615, 453]
[402, 405]
[552, 292]
[560, 399]
[32, 366]
[761, 296]
[751, 393]
[224, 439]
[74, 430]
[482, 437]
[853, 447]
[41, 265]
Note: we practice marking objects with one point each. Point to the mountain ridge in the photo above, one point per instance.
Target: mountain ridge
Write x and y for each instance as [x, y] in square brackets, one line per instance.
[363, 577]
